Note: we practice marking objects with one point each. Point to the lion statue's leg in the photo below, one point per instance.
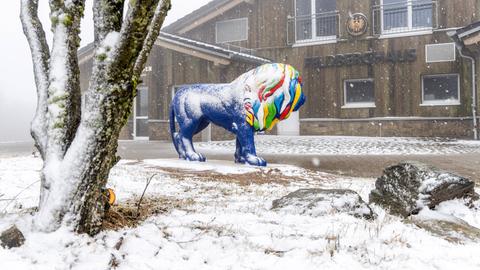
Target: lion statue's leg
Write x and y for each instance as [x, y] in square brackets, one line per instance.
[245, 152]
[183, 139]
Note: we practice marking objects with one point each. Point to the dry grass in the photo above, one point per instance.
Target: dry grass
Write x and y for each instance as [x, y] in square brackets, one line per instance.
[269, 176]
[128, 215]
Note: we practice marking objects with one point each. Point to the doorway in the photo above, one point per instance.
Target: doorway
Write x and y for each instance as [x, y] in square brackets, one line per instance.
[290, 126]
[140, 114]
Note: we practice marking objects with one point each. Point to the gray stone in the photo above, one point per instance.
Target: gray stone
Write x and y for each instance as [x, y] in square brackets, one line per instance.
[406, 188]
[452, 229]
[318, 202]
[12, 238]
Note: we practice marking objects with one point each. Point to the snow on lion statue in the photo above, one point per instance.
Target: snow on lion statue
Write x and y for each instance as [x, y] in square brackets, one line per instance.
[254, 102]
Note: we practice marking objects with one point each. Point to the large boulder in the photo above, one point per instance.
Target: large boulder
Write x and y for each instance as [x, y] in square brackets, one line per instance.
[446, 226]
[406, 188]
[318, 202]
[12, 238]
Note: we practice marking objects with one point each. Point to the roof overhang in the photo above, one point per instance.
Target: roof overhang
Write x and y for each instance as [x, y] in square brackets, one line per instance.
[467, 38]
[217, 55]
[217, 59]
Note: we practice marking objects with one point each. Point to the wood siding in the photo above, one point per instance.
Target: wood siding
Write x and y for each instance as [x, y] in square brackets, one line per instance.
[398, 90]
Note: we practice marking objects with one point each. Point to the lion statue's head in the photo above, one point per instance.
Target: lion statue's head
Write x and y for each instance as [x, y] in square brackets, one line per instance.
[271, 93]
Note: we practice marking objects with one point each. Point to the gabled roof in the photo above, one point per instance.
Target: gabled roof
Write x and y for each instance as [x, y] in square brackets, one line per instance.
[199, 49]
[201, 15]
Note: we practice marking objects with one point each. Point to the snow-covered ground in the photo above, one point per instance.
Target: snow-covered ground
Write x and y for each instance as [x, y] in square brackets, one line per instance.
[343, 145]
[225, 222]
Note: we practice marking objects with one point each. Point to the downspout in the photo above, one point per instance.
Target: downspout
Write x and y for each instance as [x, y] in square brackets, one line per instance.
[474, 94]
[459, 44]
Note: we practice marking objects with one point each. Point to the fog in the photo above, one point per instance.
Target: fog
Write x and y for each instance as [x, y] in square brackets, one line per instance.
[17, 87]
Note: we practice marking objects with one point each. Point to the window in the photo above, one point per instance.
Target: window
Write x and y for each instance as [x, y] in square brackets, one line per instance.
[315, 20]
[359, 93]
[441, 89]
[141, 113]
[232, 30]
[406, 15]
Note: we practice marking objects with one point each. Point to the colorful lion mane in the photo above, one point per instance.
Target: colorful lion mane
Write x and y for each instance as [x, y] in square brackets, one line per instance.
[272, 93]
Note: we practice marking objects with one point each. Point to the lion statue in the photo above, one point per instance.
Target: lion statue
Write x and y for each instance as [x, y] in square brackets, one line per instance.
[255, 101]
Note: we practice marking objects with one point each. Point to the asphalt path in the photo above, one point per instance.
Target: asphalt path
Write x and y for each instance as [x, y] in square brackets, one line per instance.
[350, 165]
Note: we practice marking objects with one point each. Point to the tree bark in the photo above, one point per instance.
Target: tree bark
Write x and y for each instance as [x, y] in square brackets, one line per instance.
[80, 145]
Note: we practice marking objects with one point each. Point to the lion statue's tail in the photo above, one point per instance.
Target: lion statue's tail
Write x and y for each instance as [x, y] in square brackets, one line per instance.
[172, 127]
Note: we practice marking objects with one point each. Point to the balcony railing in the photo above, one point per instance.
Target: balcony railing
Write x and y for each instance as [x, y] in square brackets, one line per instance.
[312, 28]
[404, 17]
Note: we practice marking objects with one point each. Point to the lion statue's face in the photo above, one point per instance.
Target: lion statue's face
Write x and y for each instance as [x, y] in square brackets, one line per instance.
[271, 93]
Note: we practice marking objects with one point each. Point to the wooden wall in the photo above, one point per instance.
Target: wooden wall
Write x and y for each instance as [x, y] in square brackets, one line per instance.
[397, 86]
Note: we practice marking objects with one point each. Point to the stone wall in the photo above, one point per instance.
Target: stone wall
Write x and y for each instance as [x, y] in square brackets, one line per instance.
[452, 128]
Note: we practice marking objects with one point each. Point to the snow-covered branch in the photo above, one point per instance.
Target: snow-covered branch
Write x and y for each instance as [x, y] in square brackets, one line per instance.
[108, 17]
[64, 97]
[134, 31]
[160, 13]
[33, 29]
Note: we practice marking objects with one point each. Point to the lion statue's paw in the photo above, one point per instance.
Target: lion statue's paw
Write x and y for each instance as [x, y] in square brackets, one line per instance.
[255, 161]
[195, 157]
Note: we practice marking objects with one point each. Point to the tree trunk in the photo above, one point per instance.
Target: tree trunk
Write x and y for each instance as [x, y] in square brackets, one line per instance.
[78, 142]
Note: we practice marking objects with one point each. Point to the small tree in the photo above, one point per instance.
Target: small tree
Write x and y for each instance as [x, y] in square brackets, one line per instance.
[78, 141]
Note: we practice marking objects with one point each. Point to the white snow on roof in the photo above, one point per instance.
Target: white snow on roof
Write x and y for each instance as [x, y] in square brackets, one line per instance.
[166, 36]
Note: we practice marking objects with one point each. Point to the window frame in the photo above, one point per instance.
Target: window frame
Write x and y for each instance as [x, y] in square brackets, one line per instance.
[247, 29]
[314, 39]
[409, 29]
[441, 102]
[357, 105]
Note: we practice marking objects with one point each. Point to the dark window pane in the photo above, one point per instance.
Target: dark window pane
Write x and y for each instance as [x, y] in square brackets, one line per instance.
[326, 25]
[395, 14]
[422, 14]
[326, 18]
[359, 91]
[325, 6]
[142, 101]
[303, 21]
[303, 7]
[141, 128]
[304, 28]
[443, 88]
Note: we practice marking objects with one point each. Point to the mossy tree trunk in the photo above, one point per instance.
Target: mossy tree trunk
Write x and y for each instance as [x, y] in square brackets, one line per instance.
[78, 142]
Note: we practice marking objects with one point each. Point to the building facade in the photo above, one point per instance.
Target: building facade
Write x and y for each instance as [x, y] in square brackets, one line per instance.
[370, 68]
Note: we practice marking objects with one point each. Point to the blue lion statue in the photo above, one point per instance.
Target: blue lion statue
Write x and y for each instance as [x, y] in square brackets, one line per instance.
[255, 101]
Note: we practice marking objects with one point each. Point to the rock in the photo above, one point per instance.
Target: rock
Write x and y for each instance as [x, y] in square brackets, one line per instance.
[406, 188]
[12, 238]
[318, 202]
[447, 227]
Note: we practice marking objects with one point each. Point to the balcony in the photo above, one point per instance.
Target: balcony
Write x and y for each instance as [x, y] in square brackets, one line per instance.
[317, 28]
[405, 17]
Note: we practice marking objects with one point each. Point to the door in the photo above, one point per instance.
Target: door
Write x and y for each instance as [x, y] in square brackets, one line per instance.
[140, 119]
[290, 126]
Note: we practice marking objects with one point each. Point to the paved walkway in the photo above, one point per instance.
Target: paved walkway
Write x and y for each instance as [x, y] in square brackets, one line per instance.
[363, 165]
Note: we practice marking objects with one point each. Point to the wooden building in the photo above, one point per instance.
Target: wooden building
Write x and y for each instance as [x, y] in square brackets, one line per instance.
[370, 68]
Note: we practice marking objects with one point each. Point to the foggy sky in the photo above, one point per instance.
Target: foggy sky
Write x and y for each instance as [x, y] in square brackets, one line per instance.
[17, 86]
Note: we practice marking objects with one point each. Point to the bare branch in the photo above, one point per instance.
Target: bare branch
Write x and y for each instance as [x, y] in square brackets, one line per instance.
[139, 204]
[160, 13]
[33, 30]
